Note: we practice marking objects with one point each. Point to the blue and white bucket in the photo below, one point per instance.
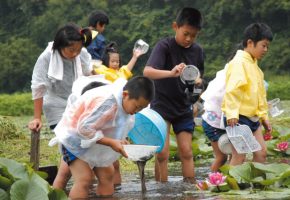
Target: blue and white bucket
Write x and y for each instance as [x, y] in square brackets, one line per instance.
[149, 129]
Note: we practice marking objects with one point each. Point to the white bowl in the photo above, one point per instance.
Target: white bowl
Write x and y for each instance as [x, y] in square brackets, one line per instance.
[140, 152]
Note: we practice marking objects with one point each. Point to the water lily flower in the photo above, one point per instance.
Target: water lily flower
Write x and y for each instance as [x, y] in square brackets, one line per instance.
[267, 136]
[216, 178]
[282, 146]
[202, 185]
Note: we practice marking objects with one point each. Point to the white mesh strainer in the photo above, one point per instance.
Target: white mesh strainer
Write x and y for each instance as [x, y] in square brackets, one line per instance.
[189, 74]
[140, 152]
[242, 139]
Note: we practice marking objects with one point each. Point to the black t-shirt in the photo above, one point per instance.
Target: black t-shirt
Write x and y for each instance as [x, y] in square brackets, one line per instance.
[170, 99]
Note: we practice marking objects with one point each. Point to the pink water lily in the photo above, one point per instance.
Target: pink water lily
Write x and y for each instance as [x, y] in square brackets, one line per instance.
[282, 146]
[216, 178]
[202, 185]
[267, 136]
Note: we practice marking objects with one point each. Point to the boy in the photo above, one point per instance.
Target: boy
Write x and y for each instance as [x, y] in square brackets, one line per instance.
[94, 127]
[245, 100]
[98, 21]
[165, 65]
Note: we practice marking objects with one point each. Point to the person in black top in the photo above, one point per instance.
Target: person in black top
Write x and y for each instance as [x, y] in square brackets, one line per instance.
[164, 66]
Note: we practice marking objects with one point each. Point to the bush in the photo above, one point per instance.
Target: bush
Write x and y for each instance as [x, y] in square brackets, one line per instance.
[16, 104]
[279, 87]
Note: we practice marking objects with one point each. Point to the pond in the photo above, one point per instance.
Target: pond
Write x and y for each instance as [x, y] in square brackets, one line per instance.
[176, 189]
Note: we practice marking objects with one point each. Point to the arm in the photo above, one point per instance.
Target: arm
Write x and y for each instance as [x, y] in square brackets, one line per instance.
[38, 87]
[235, 80]
[36, 124]
[153, 73]
[116, 145]
[132, 62]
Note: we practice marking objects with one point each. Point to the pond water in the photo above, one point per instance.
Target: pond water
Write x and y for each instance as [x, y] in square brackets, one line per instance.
[175, 188]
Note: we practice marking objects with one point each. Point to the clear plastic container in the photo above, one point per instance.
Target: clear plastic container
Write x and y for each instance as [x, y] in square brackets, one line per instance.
[141, 46]
[275, 107]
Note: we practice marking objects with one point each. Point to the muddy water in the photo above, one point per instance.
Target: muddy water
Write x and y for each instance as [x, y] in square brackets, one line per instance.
[175, 188]
[133, 188]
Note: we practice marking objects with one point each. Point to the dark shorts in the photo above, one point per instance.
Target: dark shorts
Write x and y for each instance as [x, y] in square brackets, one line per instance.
[243, 120]
[183, 124]
[212, 133]
[67, 156]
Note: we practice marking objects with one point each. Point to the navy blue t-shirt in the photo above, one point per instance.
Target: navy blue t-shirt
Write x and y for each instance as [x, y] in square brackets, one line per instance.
[170, 99]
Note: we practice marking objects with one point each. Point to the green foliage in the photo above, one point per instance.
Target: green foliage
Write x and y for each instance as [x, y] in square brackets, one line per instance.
[8, 129]
[17, 57]
[16, 104]
[21, 182]
[279, 87]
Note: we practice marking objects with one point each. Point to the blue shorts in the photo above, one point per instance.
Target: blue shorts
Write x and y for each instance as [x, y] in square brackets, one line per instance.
[67, 156]
[184, 124]
[243, 120]
[212, 133]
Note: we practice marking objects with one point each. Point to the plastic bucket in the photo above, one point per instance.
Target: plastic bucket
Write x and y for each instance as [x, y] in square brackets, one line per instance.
[149, 129]
[224, 144]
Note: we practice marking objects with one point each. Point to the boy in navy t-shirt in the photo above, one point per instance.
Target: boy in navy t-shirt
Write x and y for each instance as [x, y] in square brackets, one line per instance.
[165, 64]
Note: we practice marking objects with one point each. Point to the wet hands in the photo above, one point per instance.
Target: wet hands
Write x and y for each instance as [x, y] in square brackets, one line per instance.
[117, 145]
[35, 125]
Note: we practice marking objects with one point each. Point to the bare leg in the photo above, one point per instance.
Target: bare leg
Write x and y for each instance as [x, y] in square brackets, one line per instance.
[237, 159]
[105, 177]
[82, 175]
[260, 156]
[220, 157]
[161, 160]
[62, 177]
[184, 140]
[117, 174]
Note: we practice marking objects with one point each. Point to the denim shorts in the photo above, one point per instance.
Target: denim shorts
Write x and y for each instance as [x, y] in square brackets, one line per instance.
[68, 157]
[212, 133]
[243, 120]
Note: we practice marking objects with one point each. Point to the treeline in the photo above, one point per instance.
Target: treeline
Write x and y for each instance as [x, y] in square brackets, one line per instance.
[27, 25]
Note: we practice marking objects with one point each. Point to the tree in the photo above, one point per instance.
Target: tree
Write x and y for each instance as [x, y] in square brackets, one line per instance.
[17, 56]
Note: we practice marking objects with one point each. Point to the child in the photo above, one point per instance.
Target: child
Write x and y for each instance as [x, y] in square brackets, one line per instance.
[112, 69]
[112, 66]
[98, 21]
[245, 100]
[212, 116]
[59, 65]
[165, 64]
[94, 127]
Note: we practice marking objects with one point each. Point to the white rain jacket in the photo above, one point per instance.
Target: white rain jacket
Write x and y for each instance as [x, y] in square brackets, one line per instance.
[96, 114]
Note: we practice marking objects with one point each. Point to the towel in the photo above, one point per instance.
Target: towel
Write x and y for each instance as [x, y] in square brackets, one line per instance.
[55, 68]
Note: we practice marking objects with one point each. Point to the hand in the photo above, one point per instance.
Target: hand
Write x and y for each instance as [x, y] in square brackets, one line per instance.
[125, 142]
[118, 147]
[232, 122]
[35, 125]
[176, 71]
[198, 81]
[267, 125]
[137, 53]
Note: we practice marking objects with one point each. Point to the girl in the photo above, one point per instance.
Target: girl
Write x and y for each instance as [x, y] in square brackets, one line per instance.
[59, 65]
[112, 66]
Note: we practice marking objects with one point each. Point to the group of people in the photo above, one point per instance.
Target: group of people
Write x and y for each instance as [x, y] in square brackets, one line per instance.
[92, 126]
